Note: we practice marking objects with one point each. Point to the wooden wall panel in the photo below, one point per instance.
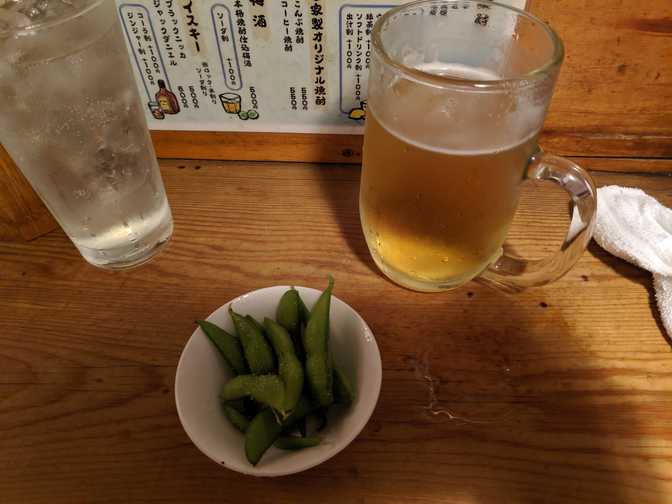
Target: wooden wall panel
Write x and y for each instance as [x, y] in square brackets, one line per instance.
[614, 95]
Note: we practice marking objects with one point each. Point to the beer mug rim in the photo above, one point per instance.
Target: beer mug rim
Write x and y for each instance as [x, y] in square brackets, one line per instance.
[30, 29]
[527, 79]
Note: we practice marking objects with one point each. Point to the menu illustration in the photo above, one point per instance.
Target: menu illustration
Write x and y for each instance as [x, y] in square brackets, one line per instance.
[253, 65]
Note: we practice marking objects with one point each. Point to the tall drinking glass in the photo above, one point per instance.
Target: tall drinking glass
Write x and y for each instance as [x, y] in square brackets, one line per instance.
[72, 121]
[458, 93]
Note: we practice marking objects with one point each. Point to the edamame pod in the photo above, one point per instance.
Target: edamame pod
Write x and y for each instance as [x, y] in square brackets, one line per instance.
[256, 349]
[266, 389]
[264, 429]
[288, 315]
[287, 312]
[296, 443]
[289, 367]
[255, 322]
[344, 392]
[316, 344]
[228, 346]
[304, 312]
[237, 419]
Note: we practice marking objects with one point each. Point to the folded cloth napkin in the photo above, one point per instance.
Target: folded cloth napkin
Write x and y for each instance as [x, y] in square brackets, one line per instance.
[636, 227]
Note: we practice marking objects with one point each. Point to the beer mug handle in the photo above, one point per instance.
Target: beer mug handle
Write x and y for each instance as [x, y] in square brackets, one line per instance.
[514, 274]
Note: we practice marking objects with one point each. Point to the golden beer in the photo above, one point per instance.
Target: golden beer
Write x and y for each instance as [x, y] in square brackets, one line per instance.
[456, 99]
[436, 218]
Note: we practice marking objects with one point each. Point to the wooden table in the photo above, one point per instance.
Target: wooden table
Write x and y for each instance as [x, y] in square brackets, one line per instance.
[560, 394]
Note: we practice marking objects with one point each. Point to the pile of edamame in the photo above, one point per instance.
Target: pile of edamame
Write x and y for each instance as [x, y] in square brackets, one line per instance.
[283, 373]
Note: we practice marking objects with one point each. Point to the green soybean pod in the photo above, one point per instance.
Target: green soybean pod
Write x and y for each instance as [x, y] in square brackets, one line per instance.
[246, 406]
[289, 367]
[255, 323]
[264, 429]
[304, 315]
[296, 443]
[287, 312]
[256, 349]
[261, 433]
[316, 344]
[288, 315]
[344, 392]
[228, 346]
[304, 312]
[266, 389]
[237, 404]
[237, 419]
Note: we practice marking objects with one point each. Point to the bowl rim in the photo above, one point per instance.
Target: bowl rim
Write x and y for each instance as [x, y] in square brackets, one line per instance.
[345, 440]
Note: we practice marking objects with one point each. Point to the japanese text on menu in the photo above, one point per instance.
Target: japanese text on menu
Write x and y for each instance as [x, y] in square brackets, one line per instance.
[256, 65]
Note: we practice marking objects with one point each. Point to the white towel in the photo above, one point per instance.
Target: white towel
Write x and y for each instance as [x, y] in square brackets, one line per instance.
[636, 227]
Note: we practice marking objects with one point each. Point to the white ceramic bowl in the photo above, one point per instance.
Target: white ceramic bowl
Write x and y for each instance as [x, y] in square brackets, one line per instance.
[201, 373]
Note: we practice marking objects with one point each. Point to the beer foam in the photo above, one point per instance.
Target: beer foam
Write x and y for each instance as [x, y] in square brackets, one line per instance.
[483, 122]
[453, 152]
[458, 71]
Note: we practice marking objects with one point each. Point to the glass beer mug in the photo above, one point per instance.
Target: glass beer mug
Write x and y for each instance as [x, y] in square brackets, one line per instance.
[458, 93]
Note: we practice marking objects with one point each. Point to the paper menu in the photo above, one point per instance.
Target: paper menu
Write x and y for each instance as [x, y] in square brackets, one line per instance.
[253, 65]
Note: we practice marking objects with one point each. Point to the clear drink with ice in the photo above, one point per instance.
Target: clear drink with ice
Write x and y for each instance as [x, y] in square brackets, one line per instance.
[72, 121]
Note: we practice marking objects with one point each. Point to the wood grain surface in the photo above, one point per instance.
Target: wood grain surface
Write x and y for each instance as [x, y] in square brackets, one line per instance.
[561, 394]
[23, 216]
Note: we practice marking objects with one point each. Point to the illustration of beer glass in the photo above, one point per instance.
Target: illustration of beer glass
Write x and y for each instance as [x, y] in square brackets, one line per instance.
[230, 102]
